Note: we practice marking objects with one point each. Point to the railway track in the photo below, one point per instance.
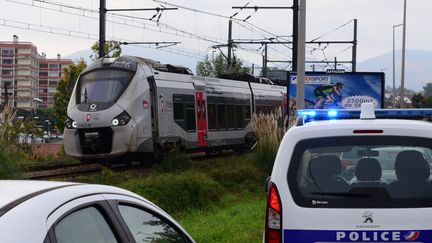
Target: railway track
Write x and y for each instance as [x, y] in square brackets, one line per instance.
[62, 170]
[58, 171]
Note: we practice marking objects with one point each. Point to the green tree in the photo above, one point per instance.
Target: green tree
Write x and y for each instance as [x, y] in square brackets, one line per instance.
[218, 65]
[428, 89]
[64, 91]
[110, 47]
[418, 101]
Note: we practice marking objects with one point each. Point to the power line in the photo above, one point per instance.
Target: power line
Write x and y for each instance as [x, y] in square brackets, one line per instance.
[334, 30]
[123, 21]
[79, 34]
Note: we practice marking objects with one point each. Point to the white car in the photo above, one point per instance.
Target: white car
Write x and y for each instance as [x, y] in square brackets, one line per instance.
[58, 212]
[310, 200]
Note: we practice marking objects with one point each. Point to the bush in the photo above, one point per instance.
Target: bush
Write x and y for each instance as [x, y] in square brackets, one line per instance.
[177, 193]
[175, 161]
[239, 178]
[8, 166]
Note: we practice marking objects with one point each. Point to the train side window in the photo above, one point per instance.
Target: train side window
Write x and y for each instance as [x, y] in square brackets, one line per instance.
[190, 117]
[184, 111]
[221, 116]
[178, 111]
[212, 116]
[247, 112]
[231, 116]
[239, 116]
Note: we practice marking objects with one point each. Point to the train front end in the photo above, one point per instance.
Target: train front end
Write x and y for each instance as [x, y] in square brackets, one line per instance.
[102, 113]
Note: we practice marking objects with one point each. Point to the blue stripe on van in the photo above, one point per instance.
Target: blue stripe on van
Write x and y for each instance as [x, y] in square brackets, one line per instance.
[332, 236]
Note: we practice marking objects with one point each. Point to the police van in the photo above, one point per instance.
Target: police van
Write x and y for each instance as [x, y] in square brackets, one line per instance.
[353, 176]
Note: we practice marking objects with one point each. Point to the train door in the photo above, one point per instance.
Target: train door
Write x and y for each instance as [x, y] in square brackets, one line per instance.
[201, 112]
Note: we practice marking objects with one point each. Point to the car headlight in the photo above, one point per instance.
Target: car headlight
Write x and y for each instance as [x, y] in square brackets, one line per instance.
[71, 124]
[121, 119]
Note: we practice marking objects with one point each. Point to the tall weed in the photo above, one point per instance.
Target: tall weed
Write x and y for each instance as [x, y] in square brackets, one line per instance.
[269, 131]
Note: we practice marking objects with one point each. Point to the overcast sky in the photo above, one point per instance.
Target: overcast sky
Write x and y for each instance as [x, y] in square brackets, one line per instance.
[375, 23]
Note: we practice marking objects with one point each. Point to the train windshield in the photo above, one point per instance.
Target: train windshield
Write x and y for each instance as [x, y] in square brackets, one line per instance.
[102, 86]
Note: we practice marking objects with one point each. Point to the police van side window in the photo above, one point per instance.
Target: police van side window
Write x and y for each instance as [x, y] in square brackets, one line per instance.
[358, 172]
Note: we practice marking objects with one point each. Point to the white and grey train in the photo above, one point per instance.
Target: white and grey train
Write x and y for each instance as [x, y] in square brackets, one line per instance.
[135, 107]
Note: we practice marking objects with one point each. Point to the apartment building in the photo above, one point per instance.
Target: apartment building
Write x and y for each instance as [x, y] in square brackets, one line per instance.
[27, 78]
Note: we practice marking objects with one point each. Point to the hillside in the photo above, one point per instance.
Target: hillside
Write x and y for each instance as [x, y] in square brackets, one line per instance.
[418, 71]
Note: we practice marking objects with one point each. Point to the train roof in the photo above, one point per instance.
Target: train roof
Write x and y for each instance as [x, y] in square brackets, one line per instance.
[130, 62]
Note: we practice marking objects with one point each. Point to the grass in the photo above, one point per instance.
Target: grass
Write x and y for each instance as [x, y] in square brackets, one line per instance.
[239, 218]
[216, 200]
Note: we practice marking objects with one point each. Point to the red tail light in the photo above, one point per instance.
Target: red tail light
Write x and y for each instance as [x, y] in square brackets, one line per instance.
[273, 230]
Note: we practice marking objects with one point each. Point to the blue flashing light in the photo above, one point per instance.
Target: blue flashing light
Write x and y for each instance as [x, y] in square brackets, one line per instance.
[307, 113]
[324, 114]
[332, 113]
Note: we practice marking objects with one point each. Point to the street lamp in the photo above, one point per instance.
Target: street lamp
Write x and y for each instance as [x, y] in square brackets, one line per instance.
[403, 57]
[394, 68]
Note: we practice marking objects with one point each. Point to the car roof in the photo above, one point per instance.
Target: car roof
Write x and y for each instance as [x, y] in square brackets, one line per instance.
[13, 190]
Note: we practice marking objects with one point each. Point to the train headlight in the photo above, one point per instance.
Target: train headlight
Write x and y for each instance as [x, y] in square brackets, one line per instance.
[71, 124]
[121, 119]
[115, 122]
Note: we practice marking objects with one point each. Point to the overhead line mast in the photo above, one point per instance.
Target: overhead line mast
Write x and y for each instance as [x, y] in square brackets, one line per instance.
[102, 21]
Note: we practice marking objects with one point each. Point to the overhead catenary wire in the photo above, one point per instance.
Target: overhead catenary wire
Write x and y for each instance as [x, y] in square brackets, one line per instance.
[121, 19]
[331, 31]
[80, 35]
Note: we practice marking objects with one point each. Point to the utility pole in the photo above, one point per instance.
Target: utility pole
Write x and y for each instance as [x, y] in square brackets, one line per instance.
[354, 50]
[402, 93]
[394, 66]
[229, 44]
[102, 21]
[295, 35]
[264, 71]
[301, 57]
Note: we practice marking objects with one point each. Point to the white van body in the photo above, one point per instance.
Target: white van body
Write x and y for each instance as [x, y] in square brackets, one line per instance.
[371, 205]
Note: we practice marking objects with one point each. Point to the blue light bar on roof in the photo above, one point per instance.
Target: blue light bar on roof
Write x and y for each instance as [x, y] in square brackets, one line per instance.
[324, 114]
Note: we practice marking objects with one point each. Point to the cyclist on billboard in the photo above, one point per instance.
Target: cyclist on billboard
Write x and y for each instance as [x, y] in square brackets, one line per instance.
[326, 94]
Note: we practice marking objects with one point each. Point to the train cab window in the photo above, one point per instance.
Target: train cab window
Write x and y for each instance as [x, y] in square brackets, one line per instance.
[231, 116]
[102, 86]
[221, 116]
[211, 116]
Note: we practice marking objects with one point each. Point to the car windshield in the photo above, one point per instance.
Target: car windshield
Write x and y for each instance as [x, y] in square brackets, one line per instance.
[384, 171]
[102, 86]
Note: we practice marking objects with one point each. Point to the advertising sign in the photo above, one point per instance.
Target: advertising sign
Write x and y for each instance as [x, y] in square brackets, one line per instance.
[339, 90]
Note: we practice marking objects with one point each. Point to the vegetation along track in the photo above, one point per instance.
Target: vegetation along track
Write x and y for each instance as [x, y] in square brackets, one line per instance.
[62, 170]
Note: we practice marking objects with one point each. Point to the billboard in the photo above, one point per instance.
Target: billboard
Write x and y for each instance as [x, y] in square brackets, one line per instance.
[338, 90]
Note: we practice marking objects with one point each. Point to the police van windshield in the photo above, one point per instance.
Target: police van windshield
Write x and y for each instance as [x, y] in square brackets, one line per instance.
[362, 172]
[102, 86]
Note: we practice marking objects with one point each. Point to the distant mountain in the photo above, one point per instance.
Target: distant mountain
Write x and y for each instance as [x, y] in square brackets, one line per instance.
[159, 55]
[418, 68]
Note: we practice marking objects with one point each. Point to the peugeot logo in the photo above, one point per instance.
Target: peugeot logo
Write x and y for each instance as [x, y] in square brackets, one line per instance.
[368, 217]
[93, 107]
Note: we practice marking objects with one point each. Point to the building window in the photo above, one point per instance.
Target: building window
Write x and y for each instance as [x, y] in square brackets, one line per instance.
[7, 61]
[43, 65]
[53, 65]
[7, 72]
